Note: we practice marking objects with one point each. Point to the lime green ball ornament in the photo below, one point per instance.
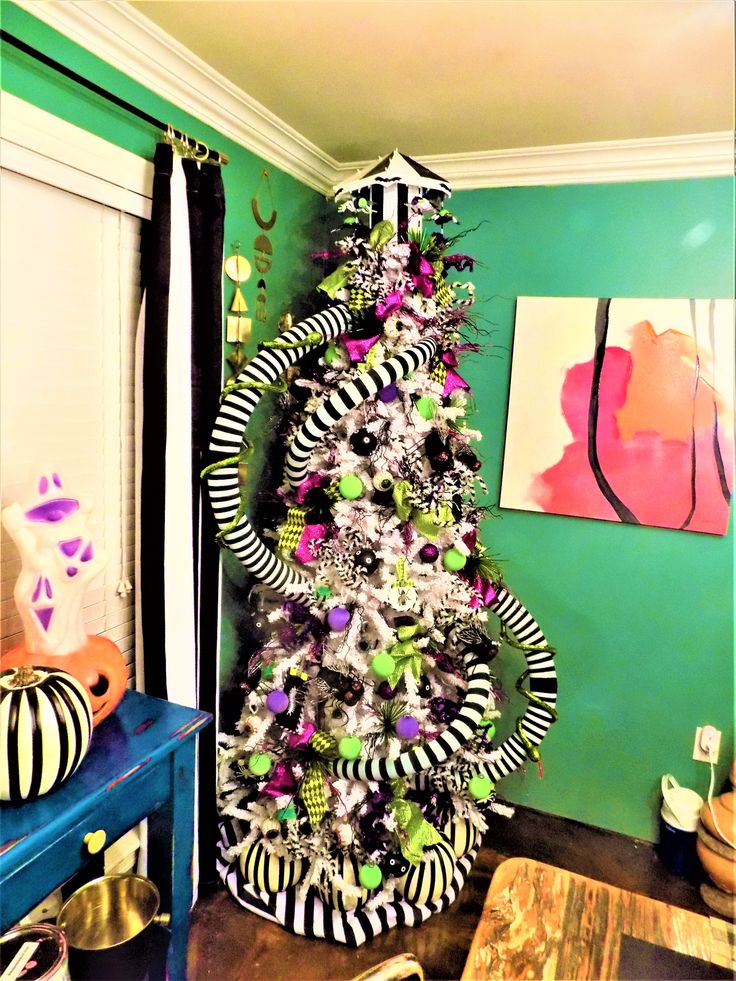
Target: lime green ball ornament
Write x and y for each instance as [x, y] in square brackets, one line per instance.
[454, 560]
[426, 407]
[383, 665]
[370, 876]
[259, 764]
[488, 728]
[480, 787]
[349, 747]
[350, 487]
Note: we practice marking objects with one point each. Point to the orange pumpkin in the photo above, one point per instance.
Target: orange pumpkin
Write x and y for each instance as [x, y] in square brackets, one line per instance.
[98, 665]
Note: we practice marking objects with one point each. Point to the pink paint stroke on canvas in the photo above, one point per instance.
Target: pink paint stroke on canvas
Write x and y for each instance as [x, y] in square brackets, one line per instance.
[647, 444]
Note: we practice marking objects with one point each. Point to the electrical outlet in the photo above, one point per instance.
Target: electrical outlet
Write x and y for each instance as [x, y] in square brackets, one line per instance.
[707, 744]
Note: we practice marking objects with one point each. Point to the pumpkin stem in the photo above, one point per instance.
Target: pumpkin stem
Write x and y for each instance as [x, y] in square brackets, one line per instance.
[25, 675]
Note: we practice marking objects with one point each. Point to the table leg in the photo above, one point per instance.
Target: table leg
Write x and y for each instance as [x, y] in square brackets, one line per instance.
[170, 855]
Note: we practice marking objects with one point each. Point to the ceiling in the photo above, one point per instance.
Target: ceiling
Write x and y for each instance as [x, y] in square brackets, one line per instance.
[468, 76]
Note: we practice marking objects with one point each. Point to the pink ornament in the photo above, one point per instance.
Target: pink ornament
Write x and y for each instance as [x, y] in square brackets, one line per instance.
[338, 618]
[407, 727]
[277, 701]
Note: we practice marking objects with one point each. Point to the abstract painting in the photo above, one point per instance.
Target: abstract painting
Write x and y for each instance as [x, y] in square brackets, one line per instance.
[622, 409]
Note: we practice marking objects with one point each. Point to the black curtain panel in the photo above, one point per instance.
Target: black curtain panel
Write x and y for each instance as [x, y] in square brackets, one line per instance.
[179, 380]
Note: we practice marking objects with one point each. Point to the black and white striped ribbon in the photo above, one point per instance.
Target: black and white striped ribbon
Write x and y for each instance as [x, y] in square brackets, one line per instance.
[364, 386]
[310, 917]
[535, 723]
[227, 438]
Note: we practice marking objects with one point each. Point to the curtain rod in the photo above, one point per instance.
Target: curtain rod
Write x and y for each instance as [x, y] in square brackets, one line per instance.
[196, 148]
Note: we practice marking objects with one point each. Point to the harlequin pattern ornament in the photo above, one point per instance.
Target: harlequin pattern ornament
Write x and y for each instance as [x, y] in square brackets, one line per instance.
[266, 870]
[45, 729]
[426, 882]
[363, 442]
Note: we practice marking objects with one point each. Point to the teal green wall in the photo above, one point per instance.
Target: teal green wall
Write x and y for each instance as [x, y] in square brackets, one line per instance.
[642, 617]
[298, 208]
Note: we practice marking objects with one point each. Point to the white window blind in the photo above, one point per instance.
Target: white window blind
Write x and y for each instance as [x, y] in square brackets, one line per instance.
[69, 302]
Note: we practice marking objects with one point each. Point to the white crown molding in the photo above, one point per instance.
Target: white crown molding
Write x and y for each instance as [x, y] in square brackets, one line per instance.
[117, 33]
[125, 39]
[37, 144]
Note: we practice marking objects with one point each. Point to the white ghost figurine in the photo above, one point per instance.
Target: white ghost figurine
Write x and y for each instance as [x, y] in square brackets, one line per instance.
[58, 560]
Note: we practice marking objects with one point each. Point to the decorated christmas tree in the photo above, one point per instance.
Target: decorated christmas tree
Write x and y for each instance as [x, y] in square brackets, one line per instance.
[355, 789]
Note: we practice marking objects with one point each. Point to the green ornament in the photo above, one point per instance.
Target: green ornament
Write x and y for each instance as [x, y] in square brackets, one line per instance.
[349, 747]
[331, 354]
[480, 787]
[489, 728]
[287, 813]
[323, 592]
[453, 560]
[259, 764]
[350, 487]
[267, 671]
[383, 665]
[370, 876]
[426, 407]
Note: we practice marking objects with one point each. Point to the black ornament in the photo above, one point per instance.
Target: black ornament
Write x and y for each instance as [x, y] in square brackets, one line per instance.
[394, 863]
[383, 499]
[468, 459]
[438, 452]
[424, 688]
[367, 560]
[363, 442]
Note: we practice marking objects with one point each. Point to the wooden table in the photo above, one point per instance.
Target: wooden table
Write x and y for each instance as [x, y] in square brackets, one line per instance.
[140, 764]
[543, 922]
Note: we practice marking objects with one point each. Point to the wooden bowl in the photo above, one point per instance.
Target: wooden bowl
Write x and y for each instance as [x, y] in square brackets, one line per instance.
[718, 859]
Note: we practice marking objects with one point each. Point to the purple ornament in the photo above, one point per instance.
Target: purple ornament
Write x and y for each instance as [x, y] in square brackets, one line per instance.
[429, 553]
[407, 727]
[338, 618]
[389, 393]
[443, 709]
[386, 691]
[277, 701]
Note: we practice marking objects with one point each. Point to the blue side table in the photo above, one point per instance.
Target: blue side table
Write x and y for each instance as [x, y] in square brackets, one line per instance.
[141, 763]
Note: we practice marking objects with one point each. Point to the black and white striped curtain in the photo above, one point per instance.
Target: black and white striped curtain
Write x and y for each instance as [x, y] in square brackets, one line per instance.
[178, 379]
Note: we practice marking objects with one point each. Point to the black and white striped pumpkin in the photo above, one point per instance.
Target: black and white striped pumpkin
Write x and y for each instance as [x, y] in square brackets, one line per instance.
[332, 891]
[461, 834]
[267, 871]
[431, 878]
[45, 729]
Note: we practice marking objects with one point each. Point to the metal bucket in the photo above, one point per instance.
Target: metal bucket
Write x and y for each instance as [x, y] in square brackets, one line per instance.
[34, 953]
[110, 926]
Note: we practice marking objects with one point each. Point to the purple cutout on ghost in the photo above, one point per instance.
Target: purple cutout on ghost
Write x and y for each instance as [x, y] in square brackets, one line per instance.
[56, 479]
[44, 616]
[70, 546]
[72, 571]
[43, 485]
[88, 553]
[52, 511]
[47, 588]
[37, 591]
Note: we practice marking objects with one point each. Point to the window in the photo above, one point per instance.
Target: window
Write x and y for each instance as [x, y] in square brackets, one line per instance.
[69, 302]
